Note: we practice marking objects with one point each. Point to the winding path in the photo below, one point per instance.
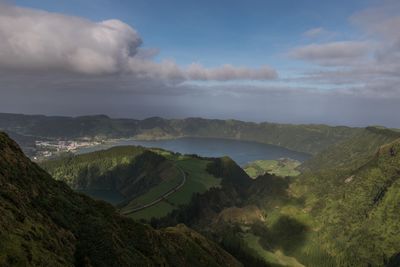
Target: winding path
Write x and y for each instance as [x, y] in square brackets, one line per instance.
[161, 198]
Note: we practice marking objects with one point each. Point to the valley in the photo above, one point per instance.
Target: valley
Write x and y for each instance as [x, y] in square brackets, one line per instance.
[266, 205]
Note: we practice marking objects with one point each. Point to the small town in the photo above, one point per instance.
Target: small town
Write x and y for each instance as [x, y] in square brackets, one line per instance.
[47, 149]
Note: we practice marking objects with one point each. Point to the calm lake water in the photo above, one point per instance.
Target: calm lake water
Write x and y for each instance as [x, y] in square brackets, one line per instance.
[240, 151]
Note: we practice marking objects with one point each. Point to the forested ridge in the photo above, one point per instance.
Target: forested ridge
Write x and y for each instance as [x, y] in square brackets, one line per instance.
[308, 138]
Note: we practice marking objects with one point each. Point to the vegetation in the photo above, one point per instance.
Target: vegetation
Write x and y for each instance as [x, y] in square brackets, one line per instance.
[342, 210]
[45, 223]
[343, 213]
[79, 171]
[276, 258]
[366, 208]
[353, 152]
[280, 167]
[137, 174]
[343, 203]
[128, 171]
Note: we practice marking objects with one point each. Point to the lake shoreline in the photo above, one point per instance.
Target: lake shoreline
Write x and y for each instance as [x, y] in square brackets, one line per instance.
[241, 151]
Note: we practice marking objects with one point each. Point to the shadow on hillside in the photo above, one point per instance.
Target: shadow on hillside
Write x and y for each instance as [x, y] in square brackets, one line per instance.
[286, 234]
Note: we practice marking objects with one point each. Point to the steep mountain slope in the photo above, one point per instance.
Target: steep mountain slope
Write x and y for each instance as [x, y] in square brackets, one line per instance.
[44, 223]
[303, 138]
[361, 220]
[325, 173]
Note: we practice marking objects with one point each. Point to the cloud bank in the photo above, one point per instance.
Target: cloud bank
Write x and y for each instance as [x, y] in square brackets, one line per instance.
[367, 67]
[332, 54]
[33, 40]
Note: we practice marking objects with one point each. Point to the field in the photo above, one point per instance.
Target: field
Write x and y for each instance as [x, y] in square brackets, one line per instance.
[198, 181]
[281, 167]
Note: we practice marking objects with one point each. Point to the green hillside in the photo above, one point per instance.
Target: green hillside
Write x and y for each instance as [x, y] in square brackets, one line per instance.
[361, 220]
[325, 173]
[128, 171]
[44, 223]
[352, 152]
[198, 180]
[132, 177]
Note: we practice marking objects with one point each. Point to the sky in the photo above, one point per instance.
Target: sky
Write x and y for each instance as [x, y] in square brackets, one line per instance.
[306, 61]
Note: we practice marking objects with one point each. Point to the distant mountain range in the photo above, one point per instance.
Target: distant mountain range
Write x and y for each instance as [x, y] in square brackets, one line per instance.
[303, 138]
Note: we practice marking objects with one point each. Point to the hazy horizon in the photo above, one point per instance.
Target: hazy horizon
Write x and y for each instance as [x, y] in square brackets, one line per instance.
[195, 117]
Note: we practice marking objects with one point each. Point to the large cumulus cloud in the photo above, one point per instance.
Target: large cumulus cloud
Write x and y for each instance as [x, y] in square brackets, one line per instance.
[36, 40]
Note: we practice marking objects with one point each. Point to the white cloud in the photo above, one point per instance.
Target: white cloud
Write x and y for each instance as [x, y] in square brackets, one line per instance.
[314, 32]
[37, 40]
[229, 72]
[380, 21]
[33, 40]
[368, 68]
[365, 69]
[333, 53]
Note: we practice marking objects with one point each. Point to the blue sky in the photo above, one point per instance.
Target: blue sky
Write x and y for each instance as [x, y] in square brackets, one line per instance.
[305, 61]
[249, 33]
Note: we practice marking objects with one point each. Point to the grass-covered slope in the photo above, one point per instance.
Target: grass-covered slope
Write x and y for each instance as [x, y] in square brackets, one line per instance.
[303, 138]
[44, 223]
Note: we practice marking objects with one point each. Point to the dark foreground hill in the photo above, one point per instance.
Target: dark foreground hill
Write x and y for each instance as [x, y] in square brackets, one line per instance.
[44, 223]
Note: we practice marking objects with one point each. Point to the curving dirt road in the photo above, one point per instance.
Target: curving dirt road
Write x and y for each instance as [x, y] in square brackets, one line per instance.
[161, 198]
